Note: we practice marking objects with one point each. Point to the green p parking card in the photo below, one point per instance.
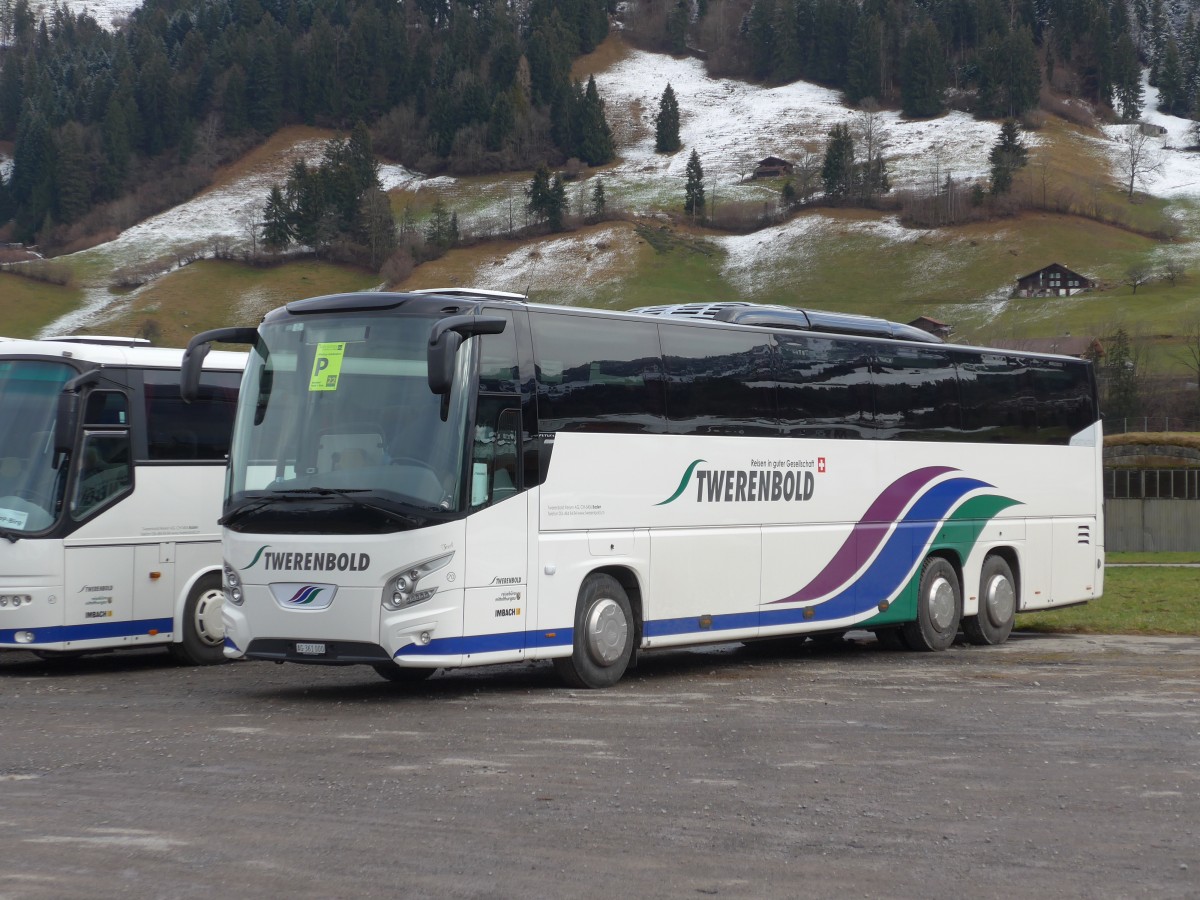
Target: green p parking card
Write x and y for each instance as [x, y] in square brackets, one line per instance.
[327, 366]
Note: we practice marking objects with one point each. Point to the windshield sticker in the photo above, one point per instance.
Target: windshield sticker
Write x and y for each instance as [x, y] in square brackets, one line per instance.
[11, 518]
[327, 366]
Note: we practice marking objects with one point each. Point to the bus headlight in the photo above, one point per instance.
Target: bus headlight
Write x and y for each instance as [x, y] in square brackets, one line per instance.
[233, 585]
[402, 590]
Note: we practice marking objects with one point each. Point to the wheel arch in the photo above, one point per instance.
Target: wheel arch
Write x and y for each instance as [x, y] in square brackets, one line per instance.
[181, 597]
[1009, 555]
[632, 586]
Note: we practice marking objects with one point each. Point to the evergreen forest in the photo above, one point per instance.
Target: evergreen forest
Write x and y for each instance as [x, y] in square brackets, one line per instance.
[109, 126]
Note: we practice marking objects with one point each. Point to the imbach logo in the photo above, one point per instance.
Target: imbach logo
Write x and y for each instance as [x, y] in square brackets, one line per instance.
[757, 485]
[309, 562]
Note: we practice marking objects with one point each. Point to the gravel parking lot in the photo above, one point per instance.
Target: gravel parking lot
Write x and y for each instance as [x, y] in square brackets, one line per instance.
[1050, 766]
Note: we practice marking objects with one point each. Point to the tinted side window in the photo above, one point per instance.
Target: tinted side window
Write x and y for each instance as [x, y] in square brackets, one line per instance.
[498, 370]
[718, 382]
[998, 404]
[1065, 403]
[916, 394]
[597, 374]
[197, 431]
[824, 387]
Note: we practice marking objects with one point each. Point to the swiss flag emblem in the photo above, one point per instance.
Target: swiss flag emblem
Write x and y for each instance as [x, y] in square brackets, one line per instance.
[820, 464]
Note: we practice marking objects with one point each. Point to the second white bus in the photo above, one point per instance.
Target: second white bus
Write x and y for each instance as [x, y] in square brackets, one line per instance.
[110, 491]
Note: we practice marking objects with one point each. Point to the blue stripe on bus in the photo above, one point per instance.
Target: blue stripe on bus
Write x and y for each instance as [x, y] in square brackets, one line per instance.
[231, 645]
[55, 634]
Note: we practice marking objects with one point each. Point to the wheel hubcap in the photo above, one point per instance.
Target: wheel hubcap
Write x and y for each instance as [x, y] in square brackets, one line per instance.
[607, 632]
[209, 627]
[1000, 600]
[941, 603]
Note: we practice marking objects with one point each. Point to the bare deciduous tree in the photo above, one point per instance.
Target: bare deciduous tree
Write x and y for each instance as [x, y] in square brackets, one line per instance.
[1138, 274]
[1139, 158]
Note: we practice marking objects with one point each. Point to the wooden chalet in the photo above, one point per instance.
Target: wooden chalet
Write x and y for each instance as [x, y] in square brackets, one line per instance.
[1055, 280]
[772, 167]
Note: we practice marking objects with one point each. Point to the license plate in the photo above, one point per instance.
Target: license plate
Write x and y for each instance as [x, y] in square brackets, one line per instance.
[310, 649]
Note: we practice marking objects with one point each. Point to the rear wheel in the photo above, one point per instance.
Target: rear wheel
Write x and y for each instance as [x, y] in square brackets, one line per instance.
[402, 674]
[604, 635]
[939, 607]
[997, 604]
[203, 641]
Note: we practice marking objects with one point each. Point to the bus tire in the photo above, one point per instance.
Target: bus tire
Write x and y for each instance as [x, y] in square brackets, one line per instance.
[203, 641]
[401, 674]
[997, 604]
[603, 637]
[939, 607]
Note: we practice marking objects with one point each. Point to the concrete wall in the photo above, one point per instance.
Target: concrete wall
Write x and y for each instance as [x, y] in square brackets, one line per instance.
[1151, 525]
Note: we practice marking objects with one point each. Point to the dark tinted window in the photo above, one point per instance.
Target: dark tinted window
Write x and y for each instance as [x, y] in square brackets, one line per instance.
[597, 374]
[1065, 405]
[498, 372]
[106, 408]
[199, 430]
[998, 403]
[824, 387]
[916, 394]
[718, 382]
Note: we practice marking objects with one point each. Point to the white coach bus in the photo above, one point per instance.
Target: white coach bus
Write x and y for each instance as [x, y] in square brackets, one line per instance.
[110, 491]
[459, 478]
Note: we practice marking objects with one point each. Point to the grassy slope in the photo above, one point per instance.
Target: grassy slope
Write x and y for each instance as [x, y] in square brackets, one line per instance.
[27, 306]
[949, 274]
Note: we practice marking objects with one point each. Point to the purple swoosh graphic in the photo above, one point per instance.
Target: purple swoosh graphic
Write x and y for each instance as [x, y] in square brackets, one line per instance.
[868, 533]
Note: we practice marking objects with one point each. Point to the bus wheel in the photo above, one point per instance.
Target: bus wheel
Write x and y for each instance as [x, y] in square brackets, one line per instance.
[402, 674]
[939, 607]
[604, 630]
[203, 641]
[997, 604]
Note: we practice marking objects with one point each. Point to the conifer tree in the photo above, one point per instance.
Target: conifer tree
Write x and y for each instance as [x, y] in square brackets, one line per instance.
[1008, 155]
[598, 199]
[1170, 80]
[666, 123]
[837, 170]
[276, 225]
[595, 143]
[693, 189]
[923, 73]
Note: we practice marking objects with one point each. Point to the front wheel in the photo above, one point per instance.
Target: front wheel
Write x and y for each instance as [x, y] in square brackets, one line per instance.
[604, 635]
[203, 641]
[997, 604]
[939, 607]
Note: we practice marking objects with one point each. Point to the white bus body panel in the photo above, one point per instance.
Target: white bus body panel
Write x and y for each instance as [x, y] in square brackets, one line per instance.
[711, 560]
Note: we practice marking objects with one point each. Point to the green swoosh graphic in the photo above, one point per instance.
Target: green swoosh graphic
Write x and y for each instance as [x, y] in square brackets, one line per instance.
[687, 476]
[257, 555]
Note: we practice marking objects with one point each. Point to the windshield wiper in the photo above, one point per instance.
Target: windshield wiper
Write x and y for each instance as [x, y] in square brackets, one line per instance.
[12, 536]
[348, 494]
[255, 505]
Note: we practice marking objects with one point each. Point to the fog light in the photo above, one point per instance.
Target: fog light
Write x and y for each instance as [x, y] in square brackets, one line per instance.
[24, 637]
[425, 638]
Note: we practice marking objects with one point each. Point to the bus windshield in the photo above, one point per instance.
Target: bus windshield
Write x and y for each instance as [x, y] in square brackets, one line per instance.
[338, 411]
[29, 483]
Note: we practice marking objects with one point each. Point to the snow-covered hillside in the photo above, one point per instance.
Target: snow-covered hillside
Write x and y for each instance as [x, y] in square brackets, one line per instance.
[729, 124]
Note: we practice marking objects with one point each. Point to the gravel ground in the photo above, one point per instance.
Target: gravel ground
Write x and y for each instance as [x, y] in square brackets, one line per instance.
[1051, 766]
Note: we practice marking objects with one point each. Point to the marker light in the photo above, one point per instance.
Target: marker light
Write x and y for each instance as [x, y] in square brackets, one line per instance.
[233, 585]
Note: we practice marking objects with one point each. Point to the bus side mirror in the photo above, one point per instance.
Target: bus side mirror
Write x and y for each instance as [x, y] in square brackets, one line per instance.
[197, 349]
[446, 337]
[66, 422]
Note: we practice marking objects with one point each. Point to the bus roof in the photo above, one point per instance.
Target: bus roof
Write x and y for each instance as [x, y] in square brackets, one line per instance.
[106, 351]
